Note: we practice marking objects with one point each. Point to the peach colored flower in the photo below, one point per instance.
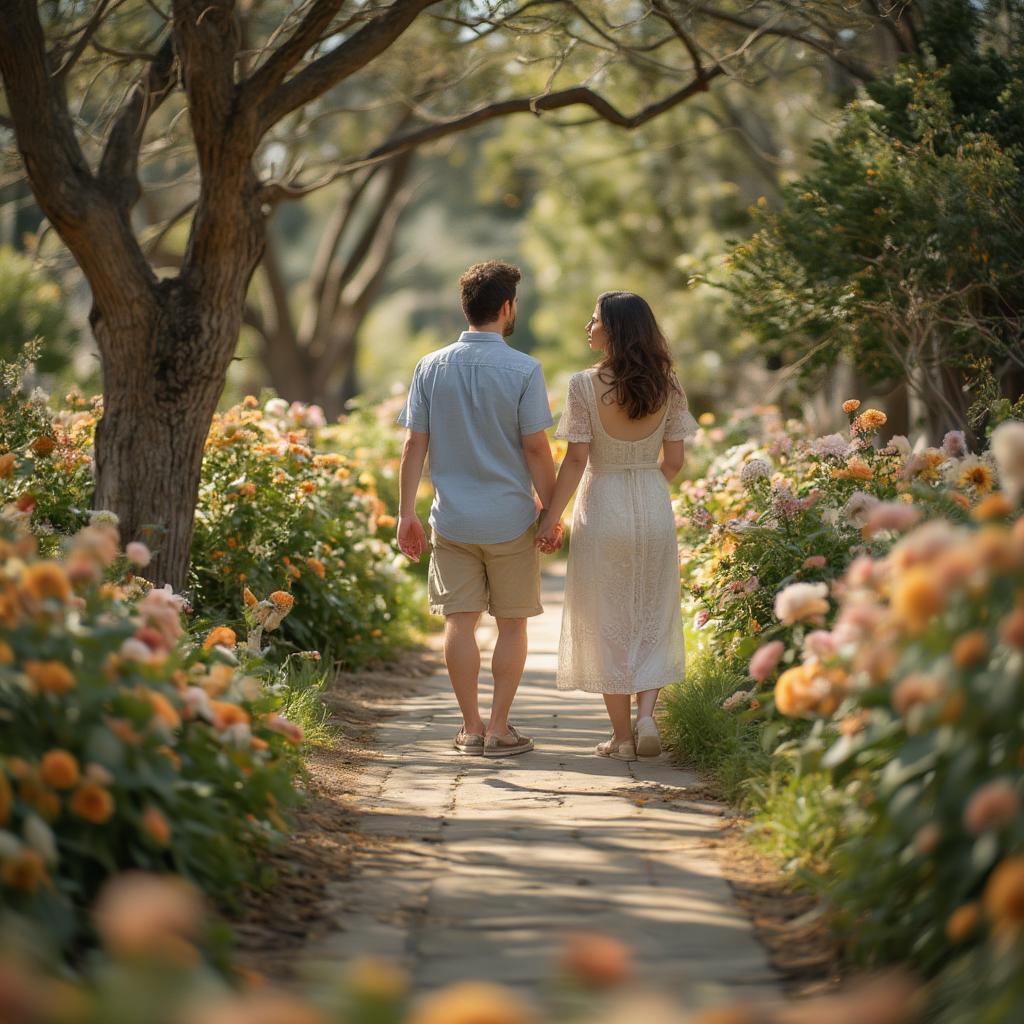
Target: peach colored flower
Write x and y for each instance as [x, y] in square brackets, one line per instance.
[226, 714]
[851, 405]
[597, 961]
[59, 769]
[140, 915]
[970, 648]
[156, 826]
[802, 602]
[995, 506]
[892, 515]
[814, 562]
[316, 566]
[809, 689]
[870, 419]
[917, 599]
[992, 806]
[93, 803]
[7, 463]
[916, 689]
[289, 730]
[472, 1002]
[765, 658]
[164, 712]
[1011, 629]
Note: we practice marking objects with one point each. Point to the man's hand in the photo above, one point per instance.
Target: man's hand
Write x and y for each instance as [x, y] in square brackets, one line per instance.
[550, 535]
[412, 539]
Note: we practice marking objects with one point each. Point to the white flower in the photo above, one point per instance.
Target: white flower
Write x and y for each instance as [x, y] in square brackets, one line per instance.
[755, 469]
[103, 517]
[198, 701]
[40, 837]
[135, 650]
[954, 444]
[833, 446]
[38, 397]
[1008, 451]
[802, 601]
[277, 408]
[858, 508]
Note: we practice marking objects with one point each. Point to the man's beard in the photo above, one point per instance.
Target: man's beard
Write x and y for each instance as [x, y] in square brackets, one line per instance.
[509, 328]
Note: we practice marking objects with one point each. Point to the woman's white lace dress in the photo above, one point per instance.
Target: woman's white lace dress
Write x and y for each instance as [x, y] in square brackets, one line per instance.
[622, 629]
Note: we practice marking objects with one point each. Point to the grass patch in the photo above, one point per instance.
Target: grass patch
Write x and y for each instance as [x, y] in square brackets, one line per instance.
[723, 744]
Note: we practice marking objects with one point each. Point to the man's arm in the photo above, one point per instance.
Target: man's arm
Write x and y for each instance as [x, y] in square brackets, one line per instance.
[412, 539]
[540, 464]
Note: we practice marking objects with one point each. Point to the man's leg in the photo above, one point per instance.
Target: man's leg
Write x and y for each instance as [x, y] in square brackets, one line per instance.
[462, 656]
[507, 663]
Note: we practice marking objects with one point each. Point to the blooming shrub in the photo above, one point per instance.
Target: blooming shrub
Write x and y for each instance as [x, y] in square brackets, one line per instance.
[124, 744]
[275, 513]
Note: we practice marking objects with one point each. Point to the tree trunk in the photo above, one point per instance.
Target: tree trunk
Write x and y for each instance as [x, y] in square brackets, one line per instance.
[156, 416]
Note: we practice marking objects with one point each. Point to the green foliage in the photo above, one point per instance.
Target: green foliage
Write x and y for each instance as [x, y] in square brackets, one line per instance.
[32, 306]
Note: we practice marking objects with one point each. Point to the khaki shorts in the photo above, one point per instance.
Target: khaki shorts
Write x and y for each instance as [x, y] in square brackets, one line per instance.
[503, 579]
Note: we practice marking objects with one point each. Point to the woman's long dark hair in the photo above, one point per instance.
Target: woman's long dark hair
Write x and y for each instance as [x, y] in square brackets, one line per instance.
[637, 363]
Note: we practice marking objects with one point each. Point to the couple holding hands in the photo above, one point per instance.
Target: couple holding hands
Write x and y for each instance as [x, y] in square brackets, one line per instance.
[481, 409]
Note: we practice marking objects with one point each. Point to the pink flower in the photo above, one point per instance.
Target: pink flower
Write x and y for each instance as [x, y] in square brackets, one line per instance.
[138, 554]
[820, 644]
[892, 515]
[765, 658]
[814, 562]
[702, 618]
[994, 805]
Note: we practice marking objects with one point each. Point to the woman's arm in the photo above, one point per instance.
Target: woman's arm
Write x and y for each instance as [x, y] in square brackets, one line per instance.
[673, 453]
[569, 475]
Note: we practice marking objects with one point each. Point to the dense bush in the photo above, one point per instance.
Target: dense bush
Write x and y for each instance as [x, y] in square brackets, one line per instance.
[125, 744]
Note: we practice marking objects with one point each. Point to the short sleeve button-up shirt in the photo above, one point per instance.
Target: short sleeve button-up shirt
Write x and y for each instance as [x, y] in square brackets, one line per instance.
[476, 399]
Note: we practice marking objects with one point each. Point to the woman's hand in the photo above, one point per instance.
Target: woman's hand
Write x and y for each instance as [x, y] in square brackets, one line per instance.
[550, 534]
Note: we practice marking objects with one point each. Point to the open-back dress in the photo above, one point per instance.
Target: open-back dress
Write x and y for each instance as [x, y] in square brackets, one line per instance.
[621, 625]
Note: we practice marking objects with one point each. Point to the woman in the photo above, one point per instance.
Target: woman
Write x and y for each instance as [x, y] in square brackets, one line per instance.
[626, 421]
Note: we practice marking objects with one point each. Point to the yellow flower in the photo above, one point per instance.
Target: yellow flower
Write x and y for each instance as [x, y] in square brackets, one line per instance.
[50, 676]
[977, 475]
[59, 769]
[706, 419]
[93, 803]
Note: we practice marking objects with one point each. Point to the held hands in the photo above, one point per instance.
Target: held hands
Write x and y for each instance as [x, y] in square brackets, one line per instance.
[550, 534]
[412, 540]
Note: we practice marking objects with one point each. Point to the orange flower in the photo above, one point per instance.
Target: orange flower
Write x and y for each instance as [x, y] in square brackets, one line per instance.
[282, 600]
[6, 654]
[387, 522]
[93, 803]
[43, 580]
[870, 419]
[808, 689]
[916, 599]
[1004, 894]
[308, 486]
[962, 923]
[156, 826]
[598, 961]
[164, 712]
[970, 649]
[217, 680]
[317, 566]
[7, 463]
[1011, 629]
[124, 731]
[222, 636]
[247, 490]
[960, 499]
[41, 798]
[226, 714]
[6, 798]
[249, 598]
[851, 405]
[995, 506]
[24, 871]
[917, 688]
[50, 676]
[59, 769]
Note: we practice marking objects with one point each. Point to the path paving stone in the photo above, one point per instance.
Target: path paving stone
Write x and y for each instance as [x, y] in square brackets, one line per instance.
[475, 868]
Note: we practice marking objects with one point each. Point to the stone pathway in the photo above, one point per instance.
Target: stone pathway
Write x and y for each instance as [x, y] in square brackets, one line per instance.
[474, 868]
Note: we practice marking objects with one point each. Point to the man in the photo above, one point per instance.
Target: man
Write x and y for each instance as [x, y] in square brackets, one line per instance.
[482, 408]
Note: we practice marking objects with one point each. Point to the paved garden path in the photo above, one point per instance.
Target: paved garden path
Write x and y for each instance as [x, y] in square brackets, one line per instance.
[473, 868]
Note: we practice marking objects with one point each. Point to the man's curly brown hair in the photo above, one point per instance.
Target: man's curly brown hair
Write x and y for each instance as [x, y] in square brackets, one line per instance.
[485, 288]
